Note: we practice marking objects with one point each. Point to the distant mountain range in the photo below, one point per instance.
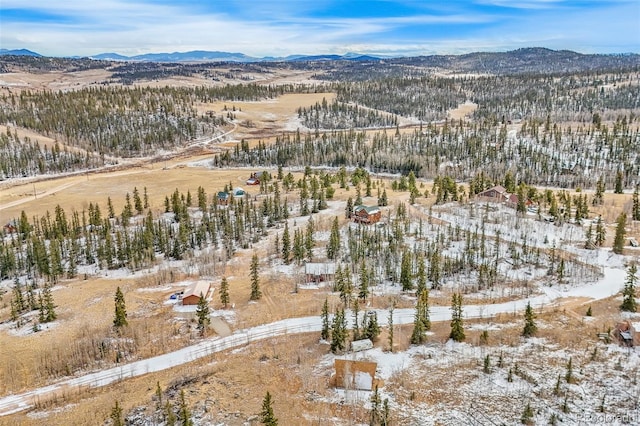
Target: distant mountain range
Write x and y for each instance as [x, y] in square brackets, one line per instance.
[204, 56]
[18, 52]
[533, 59]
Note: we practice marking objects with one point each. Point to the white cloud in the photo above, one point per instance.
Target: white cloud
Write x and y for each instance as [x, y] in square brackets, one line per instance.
[136, 27]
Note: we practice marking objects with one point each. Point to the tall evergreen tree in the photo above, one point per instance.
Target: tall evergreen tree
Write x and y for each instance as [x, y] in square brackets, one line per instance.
[618, 187]
[286, 244]
[338, 332]
[185, 415]
[334, 240]
[390, 321]
[457, 330]
[202, 313]
[618, 241]
[422, 321]
[47, 306]
[116, 415]
[356, 319]
[530, 327]
[629, 291]
[375, 413]
[421, 277]
[405, 271]
[370, 326]
[363, 292]
[224, 292]
[601, 232]
[309, 242]
[635, 209]
[256, 294]
[266, 414]
[324, 334]
[120, 317]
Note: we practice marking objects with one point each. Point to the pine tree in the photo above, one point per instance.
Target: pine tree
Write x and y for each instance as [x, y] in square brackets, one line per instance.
[588, 243]
[120, 318]
[110, 210]
[324, 334]
[598, 197]
[619, 178]
[370, 327]
[266, 414]
[363, 292]
[286, 244]
[601, 232]
[137, 201]
[116, 415]
[202, 313]
[457, 330]
[348, 211]
[629, 291]
[334, 240]
[418, 334]
[309, 242]
[405, 271]
[256, 294]
[47, 306]
[422, 322]
[618, 241]
[390, 321]
[568, 376]
[527, 415]
[421, 276]
[375, 414]
[635, 209]
[530, 327]
[185, 415]
[338, 332]
[356, 316]
[169, 415]
[224, 292]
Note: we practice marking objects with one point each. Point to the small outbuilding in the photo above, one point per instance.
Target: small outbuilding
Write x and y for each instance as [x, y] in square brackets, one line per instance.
[361, 345]
[626, 334]
[239, 192]
[192, 294]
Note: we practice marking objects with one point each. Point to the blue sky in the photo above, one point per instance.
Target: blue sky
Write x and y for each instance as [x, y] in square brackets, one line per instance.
[282, 27]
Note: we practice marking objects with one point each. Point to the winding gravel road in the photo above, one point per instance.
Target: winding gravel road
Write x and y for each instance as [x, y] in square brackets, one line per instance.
[609, 285]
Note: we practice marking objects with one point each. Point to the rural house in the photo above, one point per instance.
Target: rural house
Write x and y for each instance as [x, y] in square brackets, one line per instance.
[498, 194]
[223, 198]
[255, 177]
[319, 272]
[192, 293]
[366, 214]
[10, 227]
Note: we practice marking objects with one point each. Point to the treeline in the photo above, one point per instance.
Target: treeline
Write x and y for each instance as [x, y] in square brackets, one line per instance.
[568, 97]
[541, 154]
[425, 98]
[126, 122]
[26, 158]
[339, 115]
